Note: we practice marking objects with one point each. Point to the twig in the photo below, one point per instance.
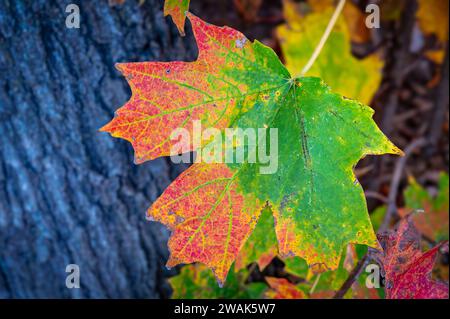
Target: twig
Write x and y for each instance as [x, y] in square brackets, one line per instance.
[395, 182]
[252, 268]
[324, 38]
[371, 194]
[314, 284]
[351, 278]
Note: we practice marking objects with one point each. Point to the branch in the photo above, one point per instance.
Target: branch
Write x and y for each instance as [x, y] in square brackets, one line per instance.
[351, 278]
[396, 178]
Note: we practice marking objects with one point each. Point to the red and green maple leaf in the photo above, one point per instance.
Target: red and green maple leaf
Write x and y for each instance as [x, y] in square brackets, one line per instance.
[317, 204]
[408, 271]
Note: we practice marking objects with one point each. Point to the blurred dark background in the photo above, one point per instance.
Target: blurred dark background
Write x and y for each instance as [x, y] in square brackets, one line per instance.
[72, 195]
[68, 193]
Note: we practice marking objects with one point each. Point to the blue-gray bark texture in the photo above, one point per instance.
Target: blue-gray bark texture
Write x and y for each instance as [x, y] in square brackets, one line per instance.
[68, 193]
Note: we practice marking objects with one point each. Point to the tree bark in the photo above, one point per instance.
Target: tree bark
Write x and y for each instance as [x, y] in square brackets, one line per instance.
[68, 193]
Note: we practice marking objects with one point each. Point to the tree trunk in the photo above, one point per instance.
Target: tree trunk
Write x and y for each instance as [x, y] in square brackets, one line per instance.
[68, 193]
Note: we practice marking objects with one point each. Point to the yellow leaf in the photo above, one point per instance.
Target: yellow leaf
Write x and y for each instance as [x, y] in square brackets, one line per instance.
[351, 77]
[433, 18]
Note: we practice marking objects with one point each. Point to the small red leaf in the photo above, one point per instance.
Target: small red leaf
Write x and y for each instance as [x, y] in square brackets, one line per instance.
[407, 269]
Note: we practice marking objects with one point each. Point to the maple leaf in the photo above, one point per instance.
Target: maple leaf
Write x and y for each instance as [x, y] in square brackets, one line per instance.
[407, 269]
[281, 288]
[177, 10]
[210, 217]
[211, 209]
[347, 75]
[431, 212]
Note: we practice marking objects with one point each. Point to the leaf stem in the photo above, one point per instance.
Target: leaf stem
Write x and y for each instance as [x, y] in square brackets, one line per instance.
[311, 291]
[324, 38]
